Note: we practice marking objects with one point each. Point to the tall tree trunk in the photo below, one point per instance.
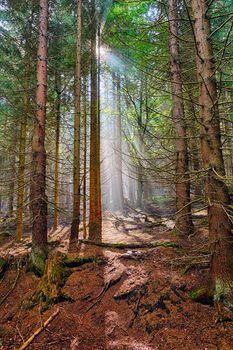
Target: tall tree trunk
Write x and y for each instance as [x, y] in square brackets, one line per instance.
[183, 208]
[119, 146]
[22, 149]
[228, 130]
[194, 144]
[57, 150]
[77, 117]
[85, 160]
[99, 209]
[139, 186]
[11, 193]
[117, 183]
[220, 226]
[39, 201]
[140, 150]
[95, 217]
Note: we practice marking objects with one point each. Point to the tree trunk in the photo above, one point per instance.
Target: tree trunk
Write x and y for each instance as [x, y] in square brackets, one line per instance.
[140, 150]
[228, 130]
[183, 208]
[57, 153]
[220, 226]
[117, 183]
[21, 170]
[194, 144]
[85, 161]
[119, 146]
[95, 217]
[77, 117]
[39, 201]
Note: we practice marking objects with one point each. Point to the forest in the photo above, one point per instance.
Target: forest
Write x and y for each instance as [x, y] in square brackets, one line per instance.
[116, 174]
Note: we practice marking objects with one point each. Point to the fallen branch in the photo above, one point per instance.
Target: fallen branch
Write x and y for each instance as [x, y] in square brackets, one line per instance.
[39, 330]
[131, 245]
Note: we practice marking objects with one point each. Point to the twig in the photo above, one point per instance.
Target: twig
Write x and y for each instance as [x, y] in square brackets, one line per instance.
[39, 330]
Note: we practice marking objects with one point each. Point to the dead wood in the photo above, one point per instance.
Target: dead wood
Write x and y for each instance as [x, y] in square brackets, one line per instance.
[122, 245]
[39, 330]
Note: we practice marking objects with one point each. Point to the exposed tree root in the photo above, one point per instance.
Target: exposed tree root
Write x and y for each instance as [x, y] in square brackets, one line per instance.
[56, 273]
[39, 330]
[132, 245]
[99, 297]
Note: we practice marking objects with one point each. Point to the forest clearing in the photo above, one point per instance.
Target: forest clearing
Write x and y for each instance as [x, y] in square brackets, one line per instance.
[116, 175]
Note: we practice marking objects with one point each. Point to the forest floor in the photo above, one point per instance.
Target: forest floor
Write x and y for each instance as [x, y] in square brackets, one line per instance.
[131, 299]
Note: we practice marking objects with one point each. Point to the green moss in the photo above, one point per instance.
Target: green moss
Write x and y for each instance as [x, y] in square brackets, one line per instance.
[224, 292]
[132, 245]
[37, 261]
[57, 271]
[79, 261]
[202, 294]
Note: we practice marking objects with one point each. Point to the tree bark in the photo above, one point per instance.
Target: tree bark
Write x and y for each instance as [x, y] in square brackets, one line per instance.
[220, 226]
[119, 145]
[95, 217]
[57, 150]
[39, 201]
[77, 117]
[85, 161]
[21, 170]
[117, 182]
[194, 144]
[183, 208]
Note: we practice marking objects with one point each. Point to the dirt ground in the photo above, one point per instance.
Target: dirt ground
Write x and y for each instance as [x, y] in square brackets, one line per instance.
[132, 299]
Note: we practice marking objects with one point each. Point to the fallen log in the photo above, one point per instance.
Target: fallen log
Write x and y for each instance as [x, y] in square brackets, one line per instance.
[123, 245]
[78, 261]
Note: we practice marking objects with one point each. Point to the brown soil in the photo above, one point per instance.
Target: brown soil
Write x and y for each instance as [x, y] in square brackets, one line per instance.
[128, 300]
